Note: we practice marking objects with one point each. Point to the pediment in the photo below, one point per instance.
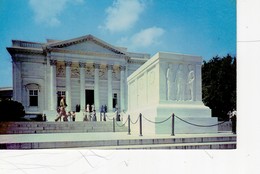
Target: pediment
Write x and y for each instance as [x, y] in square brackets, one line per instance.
[87, 43]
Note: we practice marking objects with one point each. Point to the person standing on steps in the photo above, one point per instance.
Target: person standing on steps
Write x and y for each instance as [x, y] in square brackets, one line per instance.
[102, 112]
[63, 105]
[87, 109]
[73, 116]
[233, 119]
[105, 108]
[94, 116]
[69, 116]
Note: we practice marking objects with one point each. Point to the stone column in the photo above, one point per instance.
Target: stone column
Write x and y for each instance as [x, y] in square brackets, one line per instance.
[82, 86]
[109, 88]
[17, 81]
[53, 90]
[96, 87]
[126, 88]
[68, 85]
[198, 85]
[122, 88]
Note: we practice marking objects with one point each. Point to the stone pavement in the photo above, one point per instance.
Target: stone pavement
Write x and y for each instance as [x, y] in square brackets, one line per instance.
[56, 137]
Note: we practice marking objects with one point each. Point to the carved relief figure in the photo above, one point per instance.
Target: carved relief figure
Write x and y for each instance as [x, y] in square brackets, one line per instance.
[115, 74]
[180, 82]
[169, 81]
[89, 72]
[60, 71]
[75, 72]
[191, 78]
[102, 73]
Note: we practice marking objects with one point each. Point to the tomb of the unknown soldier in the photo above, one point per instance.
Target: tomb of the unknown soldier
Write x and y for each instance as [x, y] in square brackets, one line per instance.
[170, 83]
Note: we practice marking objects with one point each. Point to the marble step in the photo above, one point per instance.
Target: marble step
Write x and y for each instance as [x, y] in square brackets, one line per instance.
[208, 145]
[59, 127]
[122, 142]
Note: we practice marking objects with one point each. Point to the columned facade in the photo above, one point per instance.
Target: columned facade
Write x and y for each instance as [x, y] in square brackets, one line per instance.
[84, 70]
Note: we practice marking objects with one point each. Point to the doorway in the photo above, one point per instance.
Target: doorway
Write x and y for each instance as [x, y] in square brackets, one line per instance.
[89, 97]
[115, 101]
[60, 95]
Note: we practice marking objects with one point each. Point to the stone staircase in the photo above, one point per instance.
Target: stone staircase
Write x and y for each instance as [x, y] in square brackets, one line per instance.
[175, 143]
[102, 135]
[113, 141]
[59, 127]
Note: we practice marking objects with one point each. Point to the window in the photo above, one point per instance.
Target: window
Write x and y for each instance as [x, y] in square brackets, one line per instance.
[61, 93]
[33, 97]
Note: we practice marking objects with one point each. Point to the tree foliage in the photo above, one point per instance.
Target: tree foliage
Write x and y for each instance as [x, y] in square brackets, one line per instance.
[219, 85]
[11, 111]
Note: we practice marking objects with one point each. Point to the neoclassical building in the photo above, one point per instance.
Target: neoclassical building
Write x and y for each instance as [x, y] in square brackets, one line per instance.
[85, 70]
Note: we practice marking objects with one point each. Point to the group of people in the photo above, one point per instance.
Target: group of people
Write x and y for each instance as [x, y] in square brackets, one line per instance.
[61, 112]
[90, 115]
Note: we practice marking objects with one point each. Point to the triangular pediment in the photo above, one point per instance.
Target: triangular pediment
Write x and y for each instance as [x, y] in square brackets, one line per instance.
[87, 43]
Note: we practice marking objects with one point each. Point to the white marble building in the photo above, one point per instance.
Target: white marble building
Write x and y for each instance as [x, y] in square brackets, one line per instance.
[86, 70]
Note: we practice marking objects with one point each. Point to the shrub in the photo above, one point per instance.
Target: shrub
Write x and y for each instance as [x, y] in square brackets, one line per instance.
[11, 111]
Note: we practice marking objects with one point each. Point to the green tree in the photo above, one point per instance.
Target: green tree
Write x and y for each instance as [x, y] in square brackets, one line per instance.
[11, 111]
[219, 85]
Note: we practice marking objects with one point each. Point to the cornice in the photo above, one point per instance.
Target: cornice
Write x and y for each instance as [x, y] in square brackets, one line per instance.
[88, 53]
[15, 50]
[91, 38]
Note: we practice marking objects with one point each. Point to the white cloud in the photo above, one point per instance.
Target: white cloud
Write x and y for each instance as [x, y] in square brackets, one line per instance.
[123, 14]
[147, 37]
[144, 38]
[48, 11]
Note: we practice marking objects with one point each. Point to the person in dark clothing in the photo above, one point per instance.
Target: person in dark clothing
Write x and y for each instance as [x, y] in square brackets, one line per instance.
[117, 115]
[233, 118]
[105, 108]
[73, 116]
[94, 117]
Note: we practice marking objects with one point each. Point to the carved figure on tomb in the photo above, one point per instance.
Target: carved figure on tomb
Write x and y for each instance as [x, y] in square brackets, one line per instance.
[180, 82]
[169, 81]
[191, 78]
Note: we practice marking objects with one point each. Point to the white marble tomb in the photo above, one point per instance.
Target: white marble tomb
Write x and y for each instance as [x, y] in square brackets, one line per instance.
[169, 83]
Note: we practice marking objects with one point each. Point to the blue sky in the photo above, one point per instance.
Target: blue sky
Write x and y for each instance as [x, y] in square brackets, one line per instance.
[199, 27]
